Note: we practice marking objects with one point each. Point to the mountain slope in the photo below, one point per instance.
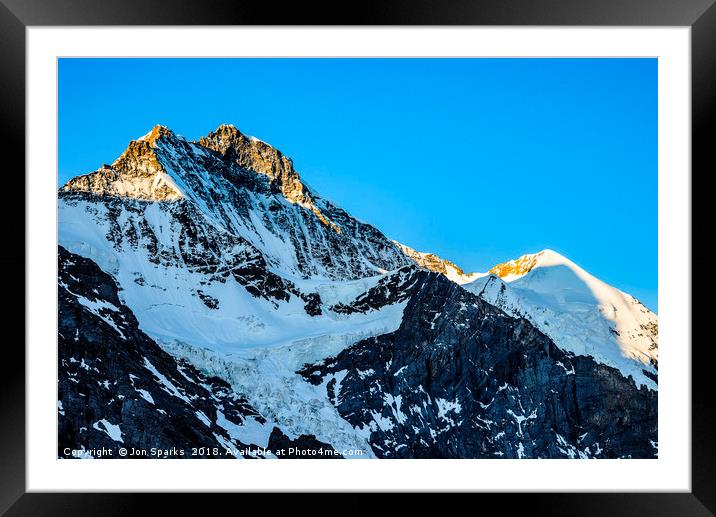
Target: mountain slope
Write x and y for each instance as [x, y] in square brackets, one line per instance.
[581, 313]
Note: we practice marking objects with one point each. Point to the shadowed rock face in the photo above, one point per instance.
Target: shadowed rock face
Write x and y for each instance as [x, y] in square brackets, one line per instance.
[303, 447]
[117, 388]
[461, 379]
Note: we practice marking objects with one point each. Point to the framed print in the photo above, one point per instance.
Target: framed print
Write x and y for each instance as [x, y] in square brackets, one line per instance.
[440, 250]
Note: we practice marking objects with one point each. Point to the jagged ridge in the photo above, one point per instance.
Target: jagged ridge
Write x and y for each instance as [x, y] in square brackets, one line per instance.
[432, 262]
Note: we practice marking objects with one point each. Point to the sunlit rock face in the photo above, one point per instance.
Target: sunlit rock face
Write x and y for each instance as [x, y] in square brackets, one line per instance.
[253, 154]
[231, 191]
[432, 262]
[137, 173]
[514, 269]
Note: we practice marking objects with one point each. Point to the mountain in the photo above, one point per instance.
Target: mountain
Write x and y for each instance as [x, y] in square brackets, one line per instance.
[582, 314]
[223, 263]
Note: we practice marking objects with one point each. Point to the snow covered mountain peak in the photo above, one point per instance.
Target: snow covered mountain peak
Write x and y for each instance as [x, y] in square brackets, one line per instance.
[216, 252]
[581, 313]
[551, 257]
[514, 269]
[162, 166]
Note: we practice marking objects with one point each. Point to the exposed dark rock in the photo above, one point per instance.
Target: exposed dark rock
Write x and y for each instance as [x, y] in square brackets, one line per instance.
[653, 377]
[392, 289]
[209, 301]
[303, 447]
[313, 304]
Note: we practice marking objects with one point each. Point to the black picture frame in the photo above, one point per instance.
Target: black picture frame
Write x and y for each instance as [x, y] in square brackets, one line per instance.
[16, 15]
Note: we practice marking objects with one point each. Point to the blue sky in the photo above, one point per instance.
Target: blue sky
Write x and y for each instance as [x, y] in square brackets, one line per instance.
[477, 160]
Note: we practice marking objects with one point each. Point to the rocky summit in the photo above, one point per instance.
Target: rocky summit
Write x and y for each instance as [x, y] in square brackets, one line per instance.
[209, 300]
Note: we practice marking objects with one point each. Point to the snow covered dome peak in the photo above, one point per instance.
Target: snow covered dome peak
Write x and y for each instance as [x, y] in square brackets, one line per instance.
[548, 257]
[549, 253]
[514, 269]
[581, 313]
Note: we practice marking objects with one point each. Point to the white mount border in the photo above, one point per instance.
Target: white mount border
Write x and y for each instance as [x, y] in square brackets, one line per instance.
[671, 472]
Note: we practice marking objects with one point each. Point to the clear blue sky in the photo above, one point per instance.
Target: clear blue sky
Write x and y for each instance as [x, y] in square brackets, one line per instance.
[477, 160]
